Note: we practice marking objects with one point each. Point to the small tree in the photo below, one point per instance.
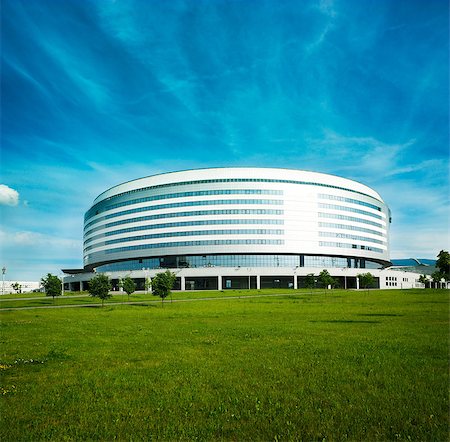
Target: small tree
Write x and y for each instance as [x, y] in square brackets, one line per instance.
[99, 287]
[129, 286]
[326, 279]
[52, 285]
[147, 284]
[17, 287]
[366, 280]
[310, 281]
[162, 284]
[437, 276]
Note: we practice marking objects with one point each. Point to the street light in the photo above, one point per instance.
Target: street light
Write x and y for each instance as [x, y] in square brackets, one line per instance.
[3, 279]
[62, 284]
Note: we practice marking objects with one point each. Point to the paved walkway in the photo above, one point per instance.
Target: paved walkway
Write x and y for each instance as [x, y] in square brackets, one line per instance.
[40, 297]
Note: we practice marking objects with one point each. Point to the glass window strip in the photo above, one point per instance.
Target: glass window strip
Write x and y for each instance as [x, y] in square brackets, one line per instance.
[187, 233]
[348, 209]
[347, 236]
[348, 200]
[186, 204]
[101, 207]
[207, 222]
[231, 180]
[213, 242]
[349, 227]
[349, 246]
[231, 260]
[185, 214]
[350, 218]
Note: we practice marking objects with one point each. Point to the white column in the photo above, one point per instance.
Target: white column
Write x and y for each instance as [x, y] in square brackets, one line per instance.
[357, 283]
[183, 283]
[295, 282]
[258, 282]
[219, 282]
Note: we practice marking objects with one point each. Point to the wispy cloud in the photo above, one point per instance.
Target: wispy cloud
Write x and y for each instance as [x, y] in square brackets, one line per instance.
[35, 240]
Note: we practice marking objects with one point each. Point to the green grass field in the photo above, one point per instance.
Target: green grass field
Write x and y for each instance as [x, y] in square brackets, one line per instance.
[335, 366]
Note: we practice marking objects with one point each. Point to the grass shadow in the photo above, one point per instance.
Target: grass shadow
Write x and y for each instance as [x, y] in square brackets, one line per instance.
[380, 314]
[153, 305]
[347, 321]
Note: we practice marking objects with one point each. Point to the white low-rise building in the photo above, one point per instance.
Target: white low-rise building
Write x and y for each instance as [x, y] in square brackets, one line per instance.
[24, 287]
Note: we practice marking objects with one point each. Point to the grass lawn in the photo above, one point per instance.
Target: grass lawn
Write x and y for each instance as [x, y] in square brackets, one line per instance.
[335, 366]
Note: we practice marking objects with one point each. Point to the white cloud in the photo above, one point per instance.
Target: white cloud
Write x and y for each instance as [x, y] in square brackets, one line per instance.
[36, 239]
[29, 254]
[427, 241]
[8, 196]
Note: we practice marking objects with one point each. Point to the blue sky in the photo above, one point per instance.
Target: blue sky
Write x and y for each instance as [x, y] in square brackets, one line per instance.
[99, 92]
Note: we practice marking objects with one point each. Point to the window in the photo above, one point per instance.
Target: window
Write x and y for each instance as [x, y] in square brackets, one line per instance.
[104, 207]
[348, 200]
[348, 209]
[228, 180]
[186, 204]
[183, 224]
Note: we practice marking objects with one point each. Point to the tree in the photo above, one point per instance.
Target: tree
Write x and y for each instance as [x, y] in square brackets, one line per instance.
[310, 281]
[147, 284]
[17, 287]
[52, 285]
[99, 287]
[129, 286]
[436, 277]
[366, 280]
[162, 284]
[326, 279]
[443, 264]
[424, 279]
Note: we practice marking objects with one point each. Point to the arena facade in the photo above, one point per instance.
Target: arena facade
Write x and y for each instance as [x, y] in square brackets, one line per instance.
[235, 228]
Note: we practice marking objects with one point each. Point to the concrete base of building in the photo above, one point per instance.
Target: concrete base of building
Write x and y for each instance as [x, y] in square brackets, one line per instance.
[232, 278]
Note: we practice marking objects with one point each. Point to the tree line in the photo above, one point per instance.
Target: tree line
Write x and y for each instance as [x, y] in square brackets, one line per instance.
[100, 285]
[162, 284]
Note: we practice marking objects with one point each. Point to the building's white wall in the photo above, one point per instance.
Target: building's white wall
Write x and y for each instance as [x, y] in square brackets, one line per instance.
[26, 286]
[389, 279]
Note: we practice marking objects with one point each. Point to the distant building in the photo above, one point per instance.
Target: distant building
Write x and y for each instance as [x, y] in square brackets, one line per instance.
[421, 266]
[226, 228]
[25, 287]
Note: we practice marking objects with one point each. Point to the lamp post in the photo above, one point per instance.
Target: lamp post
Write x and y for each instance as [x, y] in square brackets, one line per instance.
[3, 279]
[62, 284]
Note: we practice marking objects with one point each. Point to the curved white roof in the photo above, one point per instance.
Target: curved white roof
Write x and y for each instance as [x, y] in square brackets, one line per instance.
[238, 172]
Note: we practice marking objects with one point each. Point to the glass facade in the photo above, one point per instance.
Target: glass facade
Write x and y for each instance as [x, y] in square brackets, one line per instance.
[349, 246]
[207, 222]
[348, 209]
[349, 218]
[234, 180]
[349, 227]
[274, 261]
[186, 204]
[348, 200]
[190, 213]
[347, 236]
[103, 206]
[188, 233]
[213, 242]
